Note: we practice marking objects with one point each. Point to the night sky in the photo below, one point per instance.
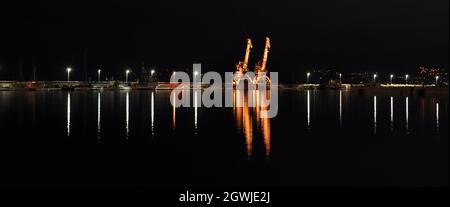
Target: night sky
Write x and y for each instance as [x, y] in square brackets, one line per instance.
[347, 35]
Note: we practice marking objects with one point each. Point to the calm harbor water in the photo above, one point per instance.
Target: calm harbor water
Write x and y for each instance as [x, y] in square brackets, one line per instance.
[137, 139]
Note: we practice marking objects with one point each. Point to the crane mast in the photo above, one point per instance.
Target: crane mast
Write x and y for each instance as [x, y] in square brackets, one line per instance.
[242, 66]
[247, 54]
[266, 54]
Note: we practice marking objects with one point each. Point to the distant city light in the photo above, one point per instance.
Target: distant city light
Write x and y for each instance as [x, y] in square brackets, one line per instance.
[126, 75]
[68, 73]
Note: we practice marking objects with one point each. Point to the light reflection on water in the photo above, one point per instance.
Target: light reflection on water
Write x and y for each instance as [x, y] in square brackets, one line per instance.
[374, 114]
[437, 117]
[68, 114]
[340, 108]
[334, 125]
[407, 114]
[245, 116]
[174, 112]
[196, 96]
[392, 113]
[308, 108]
[248, 118]
[153, 112]
[98, 116]
[244, 119]
[127, 115]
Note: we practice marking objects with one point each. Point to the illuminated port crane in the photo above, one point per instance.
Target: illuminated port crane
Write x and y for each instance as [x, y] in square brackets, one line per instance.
[260, 67]
[242, 66]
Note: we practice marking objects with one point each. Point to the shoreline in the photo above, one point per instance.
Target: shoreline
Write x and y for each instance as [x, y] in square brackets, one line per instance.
[400, 89]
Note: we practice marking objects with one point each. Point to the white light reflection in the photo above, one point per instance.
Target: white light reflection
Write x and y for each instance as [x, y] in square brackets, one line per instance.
[437, 116]
[195, 109]
[127, 116]
[392, 113]
[153, 112]
[340, 108]
[68, 114]
[308, 107]
[98, 116]
[374, 114]
[407, 115]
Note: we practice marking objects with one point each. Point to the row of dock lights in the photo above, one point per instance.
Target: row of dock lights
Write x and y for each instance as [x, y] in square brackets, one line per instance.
[308, 74]
[68, 70]
[390, 78]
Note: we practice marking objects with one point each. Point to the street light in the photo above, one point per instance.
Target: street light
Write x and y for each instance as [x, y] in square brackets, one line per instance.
[391, 76]
[126, 75]
[437, 78]
[68, 73]
[307, 77]
[340, 77]
[152, 72]
[99, 71]
[374, 78]
[406, 79]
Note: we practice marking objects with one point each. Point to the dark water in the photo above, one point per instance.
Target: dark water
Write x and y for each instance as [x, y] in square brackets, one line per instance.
[136, 138]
